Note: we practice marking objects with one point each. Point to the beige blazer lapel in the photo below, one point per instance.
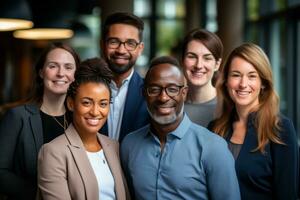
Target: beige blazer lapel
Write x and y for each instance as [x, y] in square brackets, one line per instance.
[85, 169]
[111, 154]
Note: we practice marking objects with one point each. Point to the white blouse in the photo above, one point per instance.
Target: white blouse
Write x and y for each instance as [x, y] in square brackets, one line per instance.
[105, 179]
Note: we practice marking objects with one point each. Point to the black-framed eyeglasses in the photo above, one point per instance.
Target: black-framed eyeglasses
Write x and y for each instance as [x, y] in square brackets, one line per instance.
[171, 91]
[114, 43]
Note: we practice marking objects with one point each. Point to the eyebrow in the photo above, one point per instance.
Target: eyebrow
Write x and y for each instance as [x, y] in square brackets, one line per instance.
[236, 71]
[90, 99]
[207, 54]
[54, 62]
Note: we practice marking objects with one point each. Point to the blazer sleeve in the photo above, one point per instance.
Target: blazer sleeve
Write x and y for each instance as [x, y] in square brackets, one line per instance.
[122, 173]
[52, 174]
[286, 163]
[12, 184]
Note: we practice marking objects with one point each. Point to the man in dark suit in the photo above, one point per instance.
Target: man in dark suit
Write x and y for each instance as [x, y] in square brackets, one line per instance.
[122, 44]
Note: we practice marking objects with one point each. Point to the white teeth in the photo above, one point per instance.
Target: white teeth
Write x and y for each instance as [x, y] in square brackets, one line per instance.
[93, 122]
[243, 93]
[60, 82]
[198, 73]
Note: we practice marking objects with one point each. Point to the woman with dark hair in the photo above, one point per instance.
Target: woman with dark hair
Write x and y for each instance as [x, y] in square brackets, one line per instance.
[82, 164]
[201, 58]
[263, 143]
[25, 128]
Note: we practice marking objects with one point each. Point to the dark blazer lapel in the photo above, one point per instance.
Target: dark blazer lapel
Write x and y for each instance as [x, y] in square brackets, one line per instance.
[250, 143]
[133, 97]
[85, 169]
[104, 129]
[36, 126]
[114, 164]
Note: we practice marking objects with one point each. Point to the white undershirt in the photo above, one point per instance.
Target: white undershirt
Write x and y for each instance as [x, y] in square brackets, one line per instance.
[105, 179]
[115, 115]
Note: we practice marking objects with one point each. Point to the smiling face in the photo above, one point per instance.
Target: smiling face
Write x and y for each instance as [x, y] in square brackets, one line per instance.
[58, 72]
[199, 64]
[90, 107]
[120, 60]
[243, 84]
[164, 109]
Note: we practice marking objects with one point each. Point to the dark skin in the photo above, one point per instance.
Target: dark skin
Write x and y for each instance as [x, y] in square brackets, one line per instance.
[90, 109]
[163, 106]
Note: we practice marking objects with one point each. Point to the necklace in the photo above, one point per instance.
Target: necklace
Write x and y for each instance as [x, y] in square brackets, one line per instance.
[65, 125]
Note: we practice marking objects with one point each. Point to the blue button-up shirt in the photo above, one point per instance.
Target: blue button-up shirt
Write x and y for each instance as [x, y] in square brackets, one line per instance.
[194, 164]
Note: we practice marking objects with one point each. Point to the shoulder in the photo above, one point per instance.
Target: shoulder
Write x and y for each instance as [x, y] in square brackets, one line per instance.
[134, 138]
[287, 130]
[18, 113]
[26, 109]
[106, 140]
[209, 142]
[213, 148]
[206, 135]
[56, 145]
[136, 79]
[285, 121]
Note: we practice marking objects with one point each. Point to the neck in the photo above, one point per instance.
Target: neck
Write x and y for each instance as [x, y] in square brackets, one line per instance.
[162, 131]
[90, 141]
[242, 114]
[119, 78]
[53, 104]
[201, 94]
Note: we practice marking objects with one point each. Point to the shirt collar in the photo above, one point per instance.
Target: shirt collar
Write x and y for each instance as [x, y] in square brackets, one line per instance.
[180, 131]
[126, 80]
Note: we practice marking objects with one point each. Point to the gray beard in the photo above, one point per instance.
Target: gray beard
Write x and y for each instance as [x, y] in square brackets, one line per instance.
[165, 120]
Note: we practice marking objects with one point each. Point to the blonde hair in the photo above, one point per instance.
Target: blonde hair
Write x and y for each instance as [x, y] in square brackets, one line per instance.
[266, 120]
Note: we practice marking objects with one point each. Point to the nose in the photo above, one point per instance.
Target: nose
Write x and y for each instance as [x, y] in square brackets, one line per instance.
[163, 96]
[121, 48]
[199, 63]
[95, 110]
[60, 71]
[243, 82]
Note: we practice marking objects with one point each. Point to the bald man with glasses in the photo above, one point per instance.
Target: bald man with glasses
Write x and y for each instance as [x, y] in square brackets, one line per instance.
[172, 157]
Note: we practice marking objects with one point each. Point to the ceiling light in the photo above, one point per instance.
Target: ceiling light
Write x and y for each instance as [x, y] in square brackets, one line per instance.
[44, 34]
[7, 24]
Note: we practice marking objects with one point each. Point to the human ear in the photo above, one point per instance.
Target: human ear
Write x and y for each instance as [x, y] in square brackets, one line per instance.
[140, 48]
[41, 74]
[218, 64]
[70, 103]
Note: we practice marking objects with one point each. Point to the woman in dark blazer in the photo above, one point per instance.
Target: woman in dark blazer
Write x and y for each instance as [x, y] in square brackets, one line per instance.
[263, 142]
[83, 164]
[25, 128]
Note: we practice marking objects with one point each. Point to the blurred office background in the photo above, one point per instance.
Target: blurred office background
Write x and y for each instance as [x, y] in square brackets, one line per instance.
[272, 24]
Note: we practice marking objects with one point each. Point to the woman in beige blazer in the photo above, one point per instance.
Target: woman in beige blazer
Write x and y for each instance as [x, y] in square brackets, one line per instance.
[82, 164]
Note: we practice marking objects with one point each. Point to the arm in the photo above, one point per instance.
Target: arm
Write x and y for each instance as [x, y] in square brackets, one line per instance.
[286, 163]
[220, 172]
[11, 183]
[52, 175]
[124, 163]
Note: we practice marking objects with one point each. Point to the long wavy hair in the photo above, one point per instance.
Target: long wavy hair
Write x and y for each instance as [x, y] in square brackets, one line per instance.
[266, 120]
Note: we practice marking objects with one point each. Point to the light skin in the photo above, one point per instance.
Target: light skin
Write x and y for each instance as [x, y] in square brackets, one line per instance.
[163, 107]
[122, 58]
[90, 109]
[199, 66]
[244, 86]
[57, 74]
